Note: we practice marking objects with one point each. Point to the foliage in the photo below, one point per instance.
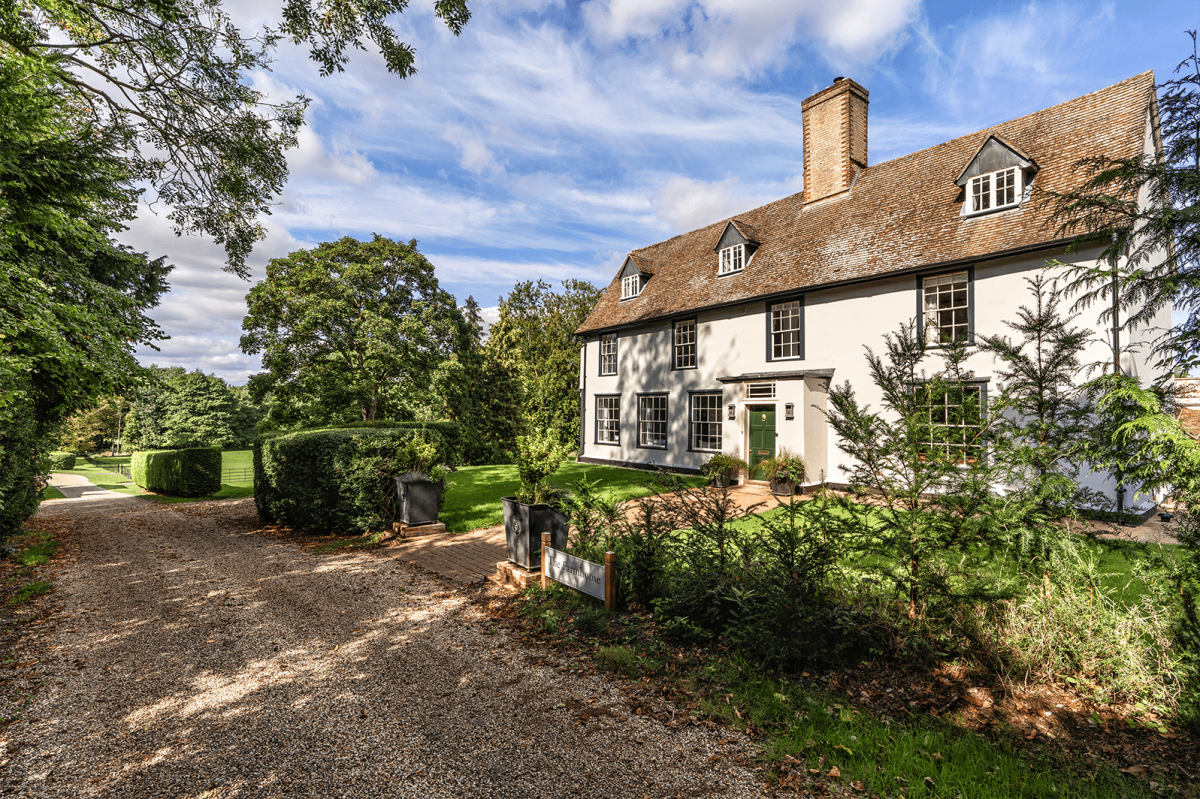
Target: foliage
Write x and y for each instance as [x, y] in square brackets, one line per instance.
[1141, 209]
[341, 481]
[1041, 423]
[81, 431]
[22, 451]
[72, 301]
[785, 465]
[538, 456]
[491, 406]
[173, 408]
[722, 467]
[929, 497]
[193, 472]
[356, 322]
[534, 341]
[61, 461]
[1183, 595]
[169, 80]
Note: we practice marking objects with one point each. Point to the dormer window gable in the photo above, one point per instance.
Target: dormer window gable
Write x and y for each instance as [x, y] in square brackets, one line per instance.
[996, 178]
[736, 247]
[634, 274]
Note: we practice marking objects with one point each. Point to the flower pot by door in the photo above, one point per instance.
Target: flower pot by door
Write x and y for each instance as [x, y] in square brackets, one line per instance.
[783, 486]
[523, 528]
[420, 499]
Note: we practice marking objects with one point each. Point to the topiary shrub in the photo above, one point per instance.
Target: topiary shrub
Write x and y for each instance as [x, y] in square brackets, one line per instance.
[194, 472]
[340, 480]
[62, 461]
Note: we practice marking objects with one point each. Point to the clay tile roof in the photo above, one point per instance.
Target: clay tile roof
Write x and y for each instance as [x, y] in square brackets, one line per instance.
[644, 265]
[749, 232]
[901, 215]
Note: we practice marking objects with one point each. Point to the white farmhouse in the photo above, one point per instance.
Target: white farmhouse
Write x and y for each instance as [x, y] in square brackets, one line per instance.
[726, 339]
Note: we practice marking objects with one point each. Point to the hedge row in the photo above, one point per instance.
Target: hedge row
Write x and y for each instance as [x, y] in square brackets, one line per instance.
[340, 480]
[62, 461]
[192, 472]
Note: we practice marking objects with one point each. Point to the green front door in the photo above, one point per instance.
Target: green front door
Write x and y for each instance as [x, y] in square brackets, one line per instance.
[762, 433]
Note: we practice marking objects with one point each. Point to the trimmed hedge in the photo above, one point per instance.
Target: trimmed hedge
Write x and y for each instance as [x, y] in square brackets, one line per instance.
[194, 472]
[339, 480]
[62, 461]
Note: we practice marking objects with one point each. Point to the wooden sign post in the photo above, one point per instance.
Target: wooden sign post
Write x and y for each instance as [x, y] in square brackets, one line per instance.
[593, 579]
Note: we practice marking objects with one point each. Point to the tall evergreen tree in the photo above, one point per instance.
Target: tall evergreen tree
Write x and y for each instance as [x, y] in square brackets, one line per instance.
[1040, 424]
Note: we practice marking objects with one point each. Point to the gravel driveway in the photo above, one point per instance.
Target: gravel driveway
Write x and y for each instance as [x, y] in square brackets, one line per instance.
[195, 657]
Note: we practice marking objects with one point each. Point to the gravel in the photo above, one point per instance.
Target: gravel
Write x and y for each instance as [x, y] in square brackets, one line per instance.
[197, 657]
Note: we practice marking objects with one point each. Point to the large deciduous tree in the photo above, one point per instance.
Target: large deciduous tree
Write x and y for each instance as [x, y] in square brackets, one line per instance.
[169, 81]
[352, 322]
[534, 340]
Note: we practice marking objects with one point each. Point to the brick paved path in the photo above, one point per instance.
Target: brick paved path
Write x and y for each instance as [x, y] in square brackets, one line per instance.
[462, 557]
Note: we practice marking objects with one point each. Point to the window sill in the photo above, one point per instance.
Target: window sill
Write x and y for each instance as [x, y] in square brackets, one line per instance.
[607, 443]
[990, 211]
[660, 449]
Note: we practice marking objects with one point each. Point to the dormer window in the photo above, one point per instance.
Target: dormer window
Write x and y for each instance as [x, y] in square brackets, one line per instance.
[631, 286]
[995, 190]
[733, 259]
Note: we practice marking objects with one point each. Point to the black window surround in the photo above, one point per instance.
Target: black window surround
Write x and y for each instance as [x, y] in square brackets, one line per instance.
[921, 278]
[719, 416]
[603, 420]
[770, 316]
[695, 344]
[646, 425]
[608, 360]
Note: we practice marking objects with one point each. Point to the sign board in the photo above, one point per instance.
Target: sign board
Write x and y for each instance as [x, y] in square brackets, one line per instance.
[573, 572]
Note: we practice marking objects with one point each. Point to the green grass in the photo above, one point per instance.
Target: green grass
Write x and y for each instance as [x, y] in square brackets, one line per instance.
[102, 471]
[50, 492]
[31, 590]
[473, 493]
[36, 548]
[802, 726]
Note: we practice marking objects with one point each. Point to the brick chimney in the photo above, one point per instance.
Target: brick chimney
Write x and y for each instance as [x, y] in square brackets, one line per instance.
[835, 138]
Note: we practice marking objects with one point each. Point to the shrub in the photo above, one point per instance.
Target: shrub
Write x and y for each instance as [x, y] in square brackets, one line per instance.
[340, 480]
[62, 461]
[538, 456]
[22, 455]
[194, 472]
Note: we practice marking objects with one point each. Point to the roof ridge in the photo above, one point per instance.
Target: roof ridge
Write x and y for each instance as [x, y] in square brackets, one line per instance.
[1009, 121]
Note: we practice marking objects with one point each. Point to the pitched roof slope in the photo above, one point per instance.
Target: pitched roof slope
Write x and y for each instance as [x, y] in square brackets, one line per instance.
[901, 214]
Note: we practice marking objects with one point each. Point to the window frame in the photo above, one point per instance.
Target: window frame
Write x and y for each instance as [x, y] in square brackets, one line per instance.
[740, 250]
[615, 355]
[626, 282]
[695, 323]
[666, 422]
[691, 421]
[596, 423]
[770, 319]
[921, 328]
[993, 190]
[980, 385]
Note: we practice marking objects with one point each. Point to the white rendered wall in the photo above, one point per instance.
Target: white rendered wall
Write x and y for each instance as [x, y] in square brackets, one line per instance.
[839, 324]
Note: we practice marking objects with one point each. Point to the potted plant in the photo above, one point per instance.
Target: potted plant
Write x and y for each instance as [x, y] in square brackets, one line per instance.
[724, 470]
[786, 471]
[537, 506]
[420, 489]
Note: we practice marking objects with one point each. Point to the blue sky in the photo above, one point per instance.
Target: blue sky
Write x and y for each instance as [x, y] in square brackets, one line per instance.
[553, 137]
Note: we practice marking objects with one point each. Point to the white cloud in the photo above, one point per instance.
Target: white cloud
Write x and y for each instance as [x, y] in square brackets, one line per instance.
[687, 204]
[745, 37]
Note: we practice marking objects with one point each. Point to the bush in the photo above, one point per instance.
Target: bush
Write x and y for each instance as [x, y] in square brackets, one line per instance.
[340, 480]
[538, 456]
[22, 456]
[194, 472]
[62, 461]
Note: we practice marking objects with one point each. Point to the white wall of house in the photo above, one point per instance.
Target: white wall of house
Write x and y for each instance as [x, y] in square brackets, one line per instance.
[839, 324]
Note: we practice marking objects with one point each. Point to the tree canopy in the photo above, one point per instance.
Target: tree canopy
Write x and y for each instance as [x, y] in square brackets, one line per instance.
[351, 322]
[167, 80]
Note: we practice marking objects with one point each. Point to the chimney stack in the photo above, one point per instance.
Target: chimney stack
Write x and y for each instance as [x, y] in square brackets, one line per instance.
[835, 138]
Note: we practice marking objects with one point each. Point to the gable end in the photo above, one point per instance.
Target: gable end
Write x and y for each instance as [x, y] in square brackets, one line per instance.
[994, 155]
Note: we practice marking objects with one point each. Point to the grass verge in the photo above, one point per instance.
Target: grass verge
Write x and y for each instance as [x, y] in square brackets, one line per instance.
[811, 737]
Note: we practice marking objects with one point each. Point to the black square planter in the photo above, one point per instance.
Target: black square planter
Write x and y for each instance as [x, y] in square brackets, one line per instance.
[523, 528]
[420, 499]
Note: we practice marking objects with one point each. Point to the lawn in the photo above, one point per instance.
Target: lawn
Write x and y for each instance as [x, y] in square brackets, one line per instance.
[236, 471]
[473, 493]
